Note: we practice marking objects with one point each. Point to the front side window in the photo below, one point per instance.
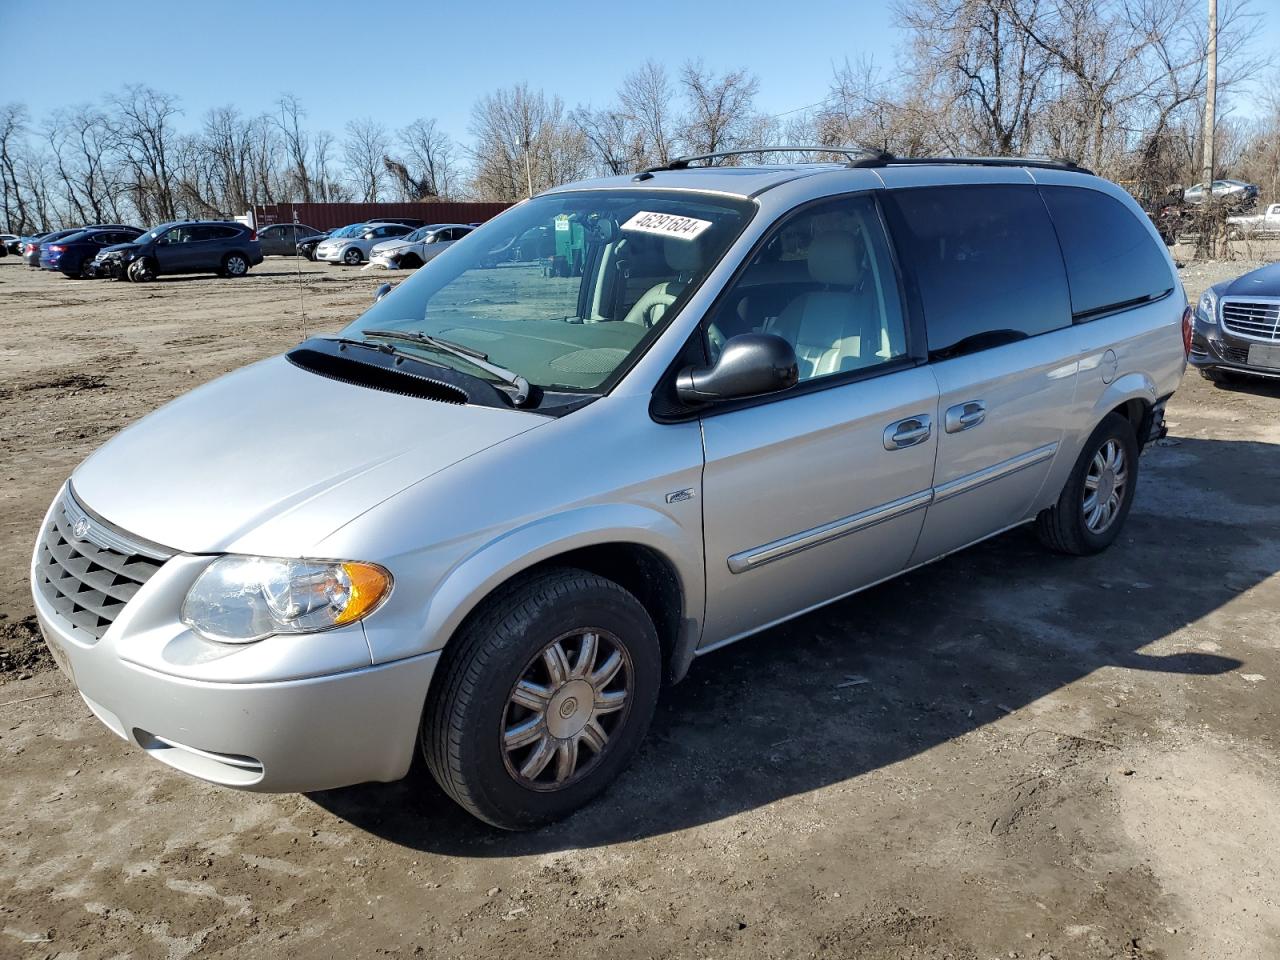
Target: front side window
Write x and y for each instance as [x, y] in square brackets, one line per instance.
[564, 289]
[825, 283]
[1112, 259]
[987, 262]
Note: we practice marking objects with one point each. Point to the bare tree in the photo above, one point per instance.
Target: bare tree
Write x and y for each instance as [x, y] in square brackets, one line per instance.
[297, 146]
[523, 139]
[364, 148]
[645, 99]
[429, 164]
[13, 129]
[721, 114]
[142, 126]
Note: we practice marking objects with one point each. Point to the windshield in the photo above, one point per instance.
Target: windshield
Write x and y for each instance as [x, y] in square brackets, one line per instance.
[564, 289]
[350, 230]
[417, 235]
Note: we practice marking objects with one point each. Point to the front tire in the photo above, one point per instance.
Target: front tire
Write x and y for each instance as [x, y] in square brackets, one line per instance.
[1095, 502]
[352, 256]
[544, 697]
[142, 271]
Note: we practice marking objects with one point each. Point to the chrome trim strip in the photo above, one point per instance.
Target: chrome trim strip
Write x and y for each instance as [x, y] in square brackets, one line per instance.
[757, 556]
[105, 535]
[972, 481]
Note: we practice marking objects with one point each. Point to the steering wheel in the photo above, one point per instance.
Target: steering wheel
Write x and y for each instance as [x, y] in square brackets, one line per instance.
[659, 295]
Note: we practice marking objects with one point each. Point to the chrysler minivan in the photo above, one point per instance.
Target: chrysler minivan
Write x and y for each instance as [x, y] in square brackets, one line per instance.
[493, 516]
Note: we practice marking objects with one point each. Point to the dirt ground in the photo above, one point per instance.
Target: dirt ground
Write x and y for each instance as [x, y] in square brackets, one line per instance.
[1005, 755]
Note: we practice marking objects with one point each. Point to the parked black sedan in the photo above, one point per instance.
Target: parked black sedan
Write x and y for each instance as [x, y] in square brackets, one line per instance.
[1237, 327]
[306, 247]
[72, 256]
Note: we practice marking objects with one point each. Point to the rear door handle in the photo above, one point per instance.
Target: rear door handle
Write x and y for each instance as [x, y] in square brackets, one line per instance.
[964, 415]
[909, 432]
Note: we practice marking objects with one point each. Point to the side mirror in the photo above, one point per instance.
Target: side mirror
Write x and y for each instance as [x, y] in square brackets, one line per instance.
[751, 364]
[381, 292]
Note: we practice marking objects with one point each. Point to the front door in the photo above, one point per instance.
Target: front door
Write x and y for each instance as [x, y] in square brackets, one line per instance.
[820, 490]
[997, 311]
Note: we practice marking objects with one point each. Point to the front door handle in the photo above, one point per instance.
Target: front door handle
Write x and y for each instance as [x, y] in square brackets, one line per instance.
[965, 415]
[908, 432]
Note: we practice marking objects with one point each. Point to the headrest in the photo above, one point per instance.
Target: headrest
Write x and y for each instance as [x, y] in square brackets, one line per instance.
[683, 256]
[833, 258]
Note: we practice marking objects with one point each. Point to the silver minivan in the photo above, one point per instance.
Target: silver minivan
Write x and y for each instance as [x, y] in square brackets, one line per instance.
[493, 516]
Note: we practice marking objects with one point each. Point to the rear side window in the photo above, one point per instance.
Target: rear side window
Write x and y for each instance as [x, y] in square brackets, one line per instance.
[987, 263]
[1112, 260]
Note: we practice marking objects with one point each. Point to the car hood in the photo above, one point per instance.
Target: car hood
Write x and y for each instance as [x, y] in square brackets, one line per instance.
[271, 459]
[385, 247]
[1263, 282]
[118, 248]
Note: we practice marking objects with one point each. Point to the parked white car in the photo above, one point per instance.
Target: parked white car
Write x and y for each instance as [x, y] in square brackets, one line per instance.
[1256, 225]
[424, 244]
[351, 245]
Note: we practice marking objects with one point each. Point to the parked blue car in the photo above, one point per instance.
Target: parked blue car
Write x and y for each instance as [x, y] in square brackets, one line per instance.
[73, 254]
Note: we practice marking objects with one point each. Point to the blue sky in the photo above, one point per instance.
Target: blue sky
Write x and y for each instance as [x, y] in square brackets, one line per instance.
[435, 60]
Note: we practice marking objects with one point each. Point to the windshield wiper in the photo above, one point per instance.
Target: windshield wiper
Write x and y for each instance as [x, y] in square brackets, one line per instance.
[474, 357]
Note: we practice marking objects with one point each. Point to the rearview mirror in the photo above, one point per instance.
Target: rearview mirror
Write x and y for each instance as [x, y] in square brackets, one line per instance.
[751, 364]
[381, 292]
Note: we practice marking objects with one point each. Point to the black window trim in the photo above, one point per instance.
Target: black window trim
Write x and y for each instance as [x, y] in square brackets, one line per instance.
[912, 324]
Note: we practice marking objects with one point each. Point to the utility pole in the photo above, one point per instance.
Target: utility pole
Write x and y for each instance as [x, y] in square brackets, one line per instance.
[1209, 219]
[529, 172]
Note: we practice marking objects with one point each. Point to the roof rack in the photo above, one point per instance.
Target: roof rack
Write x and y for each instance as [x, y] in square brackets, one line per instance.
[1039, 162]
[858, 156]
[866, 157]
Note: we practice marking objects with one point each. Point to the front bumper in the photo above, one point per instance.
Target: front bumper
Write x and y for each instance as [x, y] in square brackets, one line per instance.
[247, 716]
[329, 256]
[1218, 349]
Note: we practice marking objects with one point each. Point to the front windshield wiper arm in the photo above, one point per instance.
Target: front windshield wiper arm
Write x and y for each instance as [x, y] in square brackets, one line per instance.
[474, 357]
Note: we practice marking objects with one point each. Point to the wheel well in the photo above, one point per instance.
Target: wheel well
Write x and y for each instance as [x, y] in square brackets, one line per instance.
[1138, 413]
[642, 571]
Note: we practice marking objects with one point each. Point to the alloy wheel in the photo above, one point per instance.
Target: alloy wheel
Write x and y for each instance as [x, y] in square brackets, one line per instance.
[563, 710]
[1104, 486]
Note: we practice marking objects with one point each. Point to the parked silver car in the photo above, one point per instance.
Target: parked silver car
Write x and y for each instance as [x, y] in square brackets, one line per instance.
[500, 510]
[351, 245]
[424, 244]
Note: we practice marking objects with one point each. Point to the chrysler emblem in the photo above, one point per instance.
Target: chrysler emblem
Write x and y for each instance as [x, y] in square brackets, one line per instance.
[81, 528]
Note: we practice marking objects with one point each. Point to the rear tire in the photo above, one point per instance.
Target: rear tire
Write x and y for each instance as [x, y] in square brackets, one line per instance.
[519, 734]
[234, 265]
[1081, 525]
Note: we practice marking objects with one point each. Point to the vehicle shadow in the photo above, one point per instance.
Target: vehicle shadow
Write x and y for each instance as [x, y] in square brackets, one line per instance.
[1253, 386]
[906, 666]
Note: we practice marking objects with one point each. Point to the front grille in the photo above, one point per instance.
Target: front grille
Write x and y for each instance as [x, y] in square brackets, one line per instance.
[1252, 318]
[88, 579]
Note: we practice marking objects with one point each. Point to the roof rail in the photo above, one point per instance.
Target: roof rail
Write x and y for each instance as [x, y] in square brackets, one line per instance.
[1038, 162]
[866, 157]
[858, 156]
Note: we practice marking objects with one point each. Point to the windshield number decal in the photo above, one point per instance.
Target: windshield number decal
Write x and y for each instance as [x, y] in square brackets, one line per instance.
[667, 225]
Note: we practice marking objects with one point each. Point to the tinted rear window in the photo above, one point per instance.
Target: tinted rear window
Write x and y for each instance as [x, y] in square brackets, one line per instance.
[987, 263]
[1112, 260]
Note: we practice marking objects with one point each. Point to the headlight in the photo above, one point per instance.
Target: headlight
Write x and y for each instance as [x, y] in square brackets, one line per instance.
[243, 599]
[1207, 308]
